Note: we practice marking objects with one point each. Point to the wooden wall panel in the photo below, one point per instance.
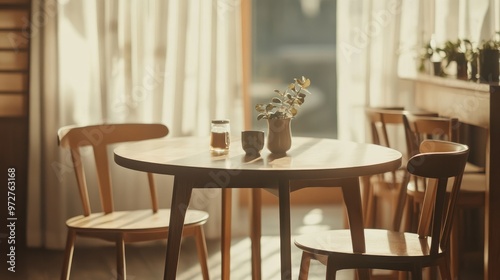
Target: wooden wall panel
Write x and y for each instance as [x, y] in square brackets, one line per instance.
[14, 97]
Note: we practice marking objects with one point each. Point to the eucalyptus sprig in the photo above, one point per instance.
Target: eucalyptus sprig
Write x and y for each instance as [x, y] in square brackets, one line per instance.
[287, 103]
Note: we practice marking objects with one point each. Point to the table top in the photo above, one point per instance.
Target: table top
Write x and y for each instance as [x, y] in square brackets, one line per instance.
[308, 158]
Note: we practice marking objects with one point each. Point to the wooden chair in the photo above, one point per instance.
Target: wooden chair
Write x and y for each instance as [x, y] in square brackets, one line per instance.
[385, 122]
[472, 192]
[393, 250]
[120, 226]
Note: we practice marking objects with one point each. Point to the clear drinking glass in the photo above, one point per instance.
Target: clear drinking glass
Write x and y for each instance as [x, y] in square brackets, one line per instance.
[219, 136]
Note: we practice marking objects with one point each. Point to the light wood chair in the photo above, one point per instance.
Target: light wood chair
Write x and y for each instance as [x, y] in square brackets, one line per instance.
[385, 127]
[393, 250]
[120, 227]
[472, 192]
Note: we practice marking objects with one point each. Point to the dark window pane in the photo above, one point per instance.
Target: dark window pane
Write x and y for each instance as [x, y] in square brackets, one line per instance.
[293, 38]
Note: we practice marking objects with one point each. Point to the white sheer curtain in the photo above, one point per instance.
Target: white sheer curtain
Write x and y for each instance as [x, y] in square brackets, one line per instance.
[367, 47]
[175, 62]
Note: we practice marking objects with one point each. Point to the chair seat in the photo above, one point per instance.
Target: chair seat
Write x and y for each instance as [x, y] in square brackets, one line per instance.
[381, 245]
[122, 221]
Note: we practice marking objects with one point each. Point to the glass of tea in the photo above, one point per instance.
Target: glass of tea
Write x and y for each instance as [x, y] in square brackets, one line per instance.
[219, 136]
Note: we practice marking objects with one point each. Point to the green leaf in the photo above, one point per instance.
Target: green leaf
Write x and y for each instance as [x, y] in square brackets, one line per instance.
[269, 107]
[261, 116]
[306, 91]
[260, 108]
[276, 100]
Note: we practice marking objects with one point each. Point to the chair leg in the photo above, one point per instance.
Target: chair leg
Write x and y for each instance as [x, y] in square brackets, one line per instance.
[68, 254]
[121, 273]
[416, 273]
[407, 226]
[331, 269]
[454, 251]
[402, 275]
[201, 247]
[371, 206]
[305, 262]
[444, 269]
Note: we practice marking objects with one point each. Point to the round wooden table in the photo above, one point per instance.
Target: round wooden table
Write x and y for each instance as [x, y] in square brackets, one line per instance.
[311, 162]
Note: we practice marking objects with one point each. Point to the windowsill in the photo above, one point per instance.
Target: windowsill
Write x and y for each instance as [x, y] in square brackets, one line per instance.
[451, 82]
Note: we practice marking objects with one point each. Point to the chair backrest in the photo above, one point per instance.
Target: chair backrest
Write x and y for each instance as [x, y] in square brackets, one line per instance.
[99, 137]
[380, 119]
[437, 162]
[419, 128]
[383, 122]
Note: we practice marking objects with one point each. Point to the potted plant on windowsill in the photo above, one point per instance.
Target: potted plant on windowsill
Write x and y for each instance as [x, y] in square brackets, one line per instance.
[279, 113]
[455, 52]
[488, 63]
[428, 62]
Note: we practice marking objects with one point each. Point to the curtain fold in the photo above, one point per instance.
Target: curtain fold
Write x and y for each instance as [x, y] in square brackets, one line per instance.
[176, 62]
[368, 38]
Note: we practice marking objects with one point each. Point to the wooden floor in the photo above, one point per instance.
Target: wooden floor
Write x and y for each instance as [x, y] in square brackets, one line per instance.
[145, 261]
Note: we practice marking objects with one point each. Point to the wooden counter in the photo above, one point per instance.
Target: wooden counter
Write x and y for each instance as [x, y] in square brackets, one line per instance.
[478, 105]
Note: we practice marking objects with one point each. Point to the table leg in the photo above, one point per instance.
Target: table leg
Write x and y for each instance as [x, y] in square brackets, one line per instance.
[352, 200]
[181, 195]
[285, 231]
[255, 231]
[226, 234]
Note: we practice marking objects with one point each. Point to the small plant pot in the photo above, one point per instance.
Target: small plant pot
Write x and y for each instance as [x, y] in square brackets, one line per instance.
[489, 65]
[437, 68]
[461, 67]
[473, 70]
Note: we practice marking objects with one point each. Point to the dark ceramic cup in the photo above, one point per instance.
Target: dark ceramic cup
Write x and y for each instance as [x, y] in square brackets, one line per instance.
[252, 141]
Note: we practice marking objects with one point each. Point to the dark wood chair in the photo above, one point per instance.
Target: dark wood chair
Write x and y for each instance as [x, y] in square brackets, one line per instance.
[120, 227]
[437, 162]
[472, 192]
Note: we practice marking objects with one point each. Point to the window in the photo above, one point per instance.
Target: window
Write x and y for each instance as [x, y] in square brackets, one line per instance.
[293, 38]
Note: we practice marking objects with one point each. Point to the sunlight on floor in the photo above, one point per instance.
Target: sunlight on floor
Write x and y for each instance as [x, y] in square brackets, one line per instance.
[304, 219]
[241, 265]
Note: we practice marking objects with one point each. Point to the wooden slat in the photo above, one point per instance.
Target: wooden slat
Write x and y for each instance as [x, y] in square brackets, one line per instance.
[15, 82]
[12, 18]
[12, 105]
[15, 2]
[15, 40]
[13, 61]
